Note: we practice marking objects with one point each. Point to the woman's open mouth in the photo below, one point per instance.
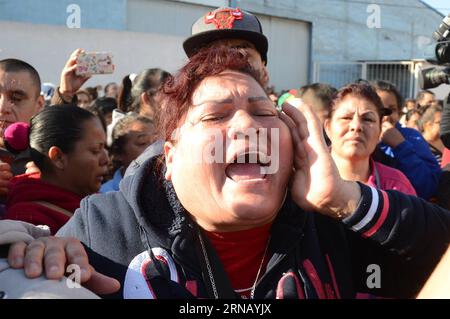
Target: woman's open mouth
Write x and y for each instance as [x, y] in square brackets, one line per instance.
[247, 167]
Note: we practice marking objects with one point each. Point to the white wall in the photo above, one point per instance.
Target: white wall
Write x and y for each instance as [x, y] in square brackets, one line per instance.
[48, 47]
[338, 28]
[289, 51]
[289, 39]
[156, 30]
[340, 31]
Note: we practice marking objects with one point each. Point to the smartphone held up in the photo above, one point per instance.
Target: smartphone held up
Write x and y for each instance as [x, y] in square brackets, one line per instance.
[89, 63]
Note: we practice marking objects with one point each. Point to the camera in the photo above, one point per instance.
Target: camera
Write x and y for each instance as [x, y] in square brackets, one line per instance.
[442, 36]
[433, 77]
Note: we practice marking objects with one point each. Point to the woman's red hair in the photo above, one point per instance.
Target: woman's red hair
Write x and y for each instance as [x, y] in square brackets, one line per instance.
[177, 91]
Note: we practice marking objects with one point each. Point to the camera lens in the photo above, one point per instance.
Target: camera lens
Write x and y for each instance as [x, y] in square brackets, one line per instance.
[443, 32]
[443, 52]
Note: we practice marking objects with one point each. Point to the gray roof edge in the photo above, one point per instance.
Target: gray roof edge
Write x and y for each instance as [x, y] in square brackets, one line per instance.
[431, 8]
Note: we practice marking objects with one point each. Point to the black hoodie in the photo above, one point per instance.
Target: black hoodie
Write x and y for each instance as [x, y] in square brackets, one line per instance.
[143, 237]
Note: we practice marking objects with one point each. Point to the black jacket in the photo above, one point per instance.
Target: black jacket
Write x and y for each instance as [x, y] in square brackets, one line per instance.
[445, 122]
[142, 236]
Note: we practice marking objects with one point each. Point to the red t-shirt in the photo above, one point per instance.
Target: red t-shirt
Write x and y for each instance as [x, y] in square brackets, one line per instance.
[445, 157]
[241, 253]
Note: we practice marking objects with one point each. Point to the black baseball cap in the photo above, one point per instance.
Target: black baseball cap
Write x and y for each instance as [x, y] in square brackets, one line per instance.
[226, 23]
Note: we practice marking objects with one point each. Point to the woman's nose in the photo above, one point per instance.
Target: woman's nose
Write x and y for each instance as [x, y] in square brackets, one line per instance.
[104, 158]
[243, 124]
[355, 124]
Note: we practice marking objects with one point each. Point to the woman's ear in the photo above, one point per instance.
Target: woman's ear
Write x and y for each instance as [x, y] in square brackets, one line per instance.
[57, 157]
[169, 150]
[146, 105]
[144, 98]
[326, 126]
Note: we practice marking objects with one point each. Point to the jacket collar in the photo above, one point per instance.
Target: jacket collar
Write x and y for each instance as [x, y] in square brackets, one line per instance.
[168, 225]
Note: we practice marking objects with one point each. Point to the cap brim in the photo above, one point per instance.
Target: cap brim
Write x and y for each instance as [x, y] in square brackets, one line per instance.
[192, 44]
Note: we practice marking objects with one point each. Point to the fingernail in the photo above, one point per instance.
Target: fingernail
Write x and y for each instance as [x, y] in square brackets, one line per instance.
[17, 261]
[53, 270]
[32, 268]
[84, 271]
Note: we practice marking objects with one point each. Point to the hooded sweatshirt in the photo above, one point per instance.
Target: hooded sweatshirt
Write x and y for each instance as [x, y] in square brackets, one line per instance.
[143, 237]
[34, 201]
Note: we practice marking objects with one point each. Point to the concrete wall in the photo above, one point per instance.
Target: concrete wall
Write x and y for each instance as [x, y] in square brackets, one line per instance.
[48, 47]
[288, 60]
[154, 31]
[110, 14]
[147, 33]
[175, 18]
[340, 31]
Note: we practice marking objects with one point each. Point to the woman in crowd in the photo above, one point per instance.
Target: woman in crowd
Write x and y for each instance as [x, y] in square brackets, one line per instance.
[405, 146]
[412, 119]
[139, 96]
[67, 144]
[143, 92]
[430, 124]
[130, 137]
[354, 127]
[106, 105]
[246, 201]
[409, 105]
[84, 98]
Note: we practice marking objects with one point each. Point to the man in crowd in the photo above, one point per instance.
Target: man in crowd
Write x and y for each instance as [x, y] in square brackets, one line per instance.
[20, 99]
[424, 99]
[112, 90]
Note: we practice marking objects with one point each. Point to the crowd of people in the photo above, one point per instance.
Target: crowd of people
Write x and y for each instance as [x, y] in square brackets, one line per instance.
[125, 180]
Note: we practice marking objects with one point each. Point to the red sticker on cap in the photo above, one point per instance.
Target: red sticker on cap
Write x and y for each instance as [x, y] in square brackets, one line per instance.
[224, 19]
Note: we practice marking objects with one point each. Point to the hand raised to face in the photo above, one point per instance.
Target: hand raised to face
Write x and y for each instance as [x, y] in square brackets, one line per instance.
[316, 183]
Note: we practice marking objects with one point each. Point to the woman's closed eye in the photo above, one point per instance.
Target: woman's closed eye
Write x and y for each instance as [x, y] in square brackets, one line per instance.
[369, 120]
[213, 117]
[365, 119]
[97, 150]
[266, 113]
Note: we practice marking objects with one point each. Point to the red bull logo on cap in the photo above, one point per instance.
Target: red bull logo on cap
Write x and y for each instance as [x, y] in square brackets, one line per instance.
[224, 19]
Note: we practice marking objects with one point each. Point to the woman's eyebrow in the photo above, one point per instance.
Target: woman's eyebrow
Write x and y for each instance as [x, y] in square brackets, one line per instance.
[345, 111]
[369, 112]
[252, 99]
[218, 101]
[143, 134]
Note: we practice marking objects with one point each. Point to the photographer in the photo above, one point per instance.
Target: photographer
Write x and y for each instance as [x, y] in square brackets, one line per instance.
[445, 123]
[433, 77]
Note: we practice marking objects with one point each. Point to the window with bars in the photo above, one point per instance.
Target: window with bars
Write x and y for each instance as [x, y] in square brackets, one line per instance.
[341, 73]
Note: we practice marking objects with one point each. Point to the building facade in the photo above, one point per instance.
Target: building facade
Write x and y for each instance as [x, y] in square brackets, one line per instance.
[309, 40]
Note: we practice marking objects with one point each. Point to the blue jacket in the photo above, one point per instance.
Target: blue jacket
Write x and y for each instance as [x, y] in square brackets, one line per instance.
[113, 184]
[415, 160]
[143, 237]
